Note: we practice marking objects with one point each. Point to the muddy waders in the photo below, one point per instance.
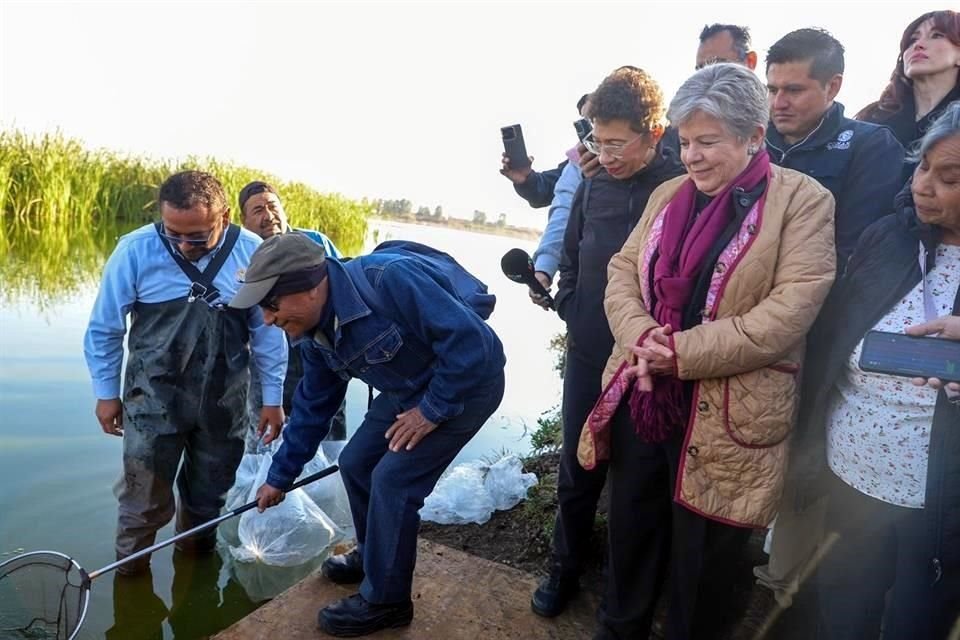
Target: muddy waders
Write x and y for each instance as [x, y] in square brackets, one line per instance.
[184, 398]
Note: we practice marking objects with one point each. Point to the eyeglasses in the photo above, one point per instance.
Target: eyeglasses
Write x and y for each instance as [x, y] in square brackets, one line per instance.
[271, 304]
[615, 151]
[713, 60]
[191, 239]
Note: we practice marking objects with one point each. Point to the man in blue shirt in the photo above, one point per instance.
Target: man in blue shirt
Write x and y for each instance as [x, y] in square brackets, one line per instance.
[185, 387]
[394, 322]
[262, 213]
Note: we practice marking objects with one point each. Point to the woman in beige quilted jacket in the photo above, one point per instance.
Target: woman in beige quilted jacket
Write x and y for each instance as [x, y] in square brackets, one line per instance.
[709, 302]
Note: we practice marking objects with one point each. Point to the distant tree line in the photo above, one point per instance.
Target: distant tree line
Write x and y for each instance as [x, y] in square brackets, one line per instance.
[403, 210]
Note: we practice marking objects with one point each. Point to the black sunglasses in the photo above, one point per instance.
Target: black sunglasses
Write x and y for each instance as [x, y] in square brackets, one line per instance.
[270, 304]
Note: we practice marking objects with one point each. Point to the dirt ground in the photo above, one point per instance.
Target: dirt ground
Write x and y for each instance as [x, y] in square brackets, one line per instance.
[520, 538]
[456, 596]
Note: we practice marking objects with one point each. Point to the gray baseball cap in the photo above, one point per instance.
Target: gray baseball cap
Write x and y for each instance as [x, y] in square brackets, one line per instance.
[279, 255]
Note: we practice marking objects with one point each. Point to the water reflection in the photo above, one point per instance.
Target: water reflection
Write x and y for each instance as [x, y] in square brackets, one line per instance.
[47, 263]
[199, 606]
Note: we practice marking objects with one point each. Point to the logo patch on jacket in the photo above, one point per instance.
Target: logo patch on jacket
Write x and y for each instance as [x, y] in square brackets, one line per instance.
[843, 140]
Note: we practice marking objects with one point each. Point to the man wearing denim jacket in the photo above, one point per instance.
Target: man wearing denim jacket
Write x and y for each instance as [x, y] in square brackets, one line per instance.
[439, 369]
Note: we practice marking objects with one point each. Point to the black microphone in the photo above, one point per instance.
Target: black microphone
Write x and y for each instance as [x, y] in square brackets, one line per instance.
[518, 266]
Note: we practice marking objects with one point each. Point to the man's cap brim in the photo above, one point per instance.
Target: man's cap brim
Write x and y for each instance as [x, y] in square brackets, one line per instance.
[252, 293]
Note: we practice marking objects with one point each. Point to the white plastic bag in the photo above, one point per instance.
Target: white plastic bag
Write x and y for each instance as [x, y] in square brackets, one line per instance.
[459, 497]
[506, 482]
[243, 485]
[289, 534]
[472, 491]
[262, 582]
[329, 493]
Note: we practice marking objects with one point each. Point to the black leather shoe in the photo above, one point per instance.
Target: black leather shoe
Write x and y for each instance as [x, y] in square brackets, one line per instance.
[554, 593]
[354, 616]
[344, 569]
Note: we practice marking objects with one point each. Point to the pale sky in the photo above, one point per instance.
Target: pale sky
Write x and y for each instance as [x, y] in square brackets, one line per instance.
[377, 99]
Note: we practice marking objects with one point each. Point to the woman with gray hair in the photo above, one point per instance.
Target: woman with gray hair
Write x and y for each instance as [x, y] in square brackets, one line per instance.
[884, 451]
[709, 302]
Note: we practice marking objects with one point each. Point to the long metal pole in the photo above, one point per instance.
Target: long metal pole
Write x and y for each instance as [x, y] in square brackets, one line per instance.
[206, 525]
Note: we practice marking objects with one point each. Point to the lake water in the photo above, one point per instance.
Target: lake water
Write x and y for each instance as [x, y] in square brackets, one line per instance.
[57, 467]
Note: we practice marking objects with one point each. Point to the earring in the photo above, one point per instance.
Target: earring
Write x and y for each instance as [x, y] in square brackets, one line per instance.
[752, 150]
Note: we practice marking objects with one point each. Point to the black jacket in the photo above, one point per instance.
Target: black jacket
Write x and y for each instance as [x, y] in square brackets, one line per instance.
[883, 269]
[603, 213]
[904, 123]
[860, 163]
[907, 128]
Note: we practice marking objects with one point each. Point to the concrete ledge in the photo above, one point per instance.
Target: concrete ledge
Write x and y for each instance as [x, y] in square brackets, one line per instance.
[456, 596]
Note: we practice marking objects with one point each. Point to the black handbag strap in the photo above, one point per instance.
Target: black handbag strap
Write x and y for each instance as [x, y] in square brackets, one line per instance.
[201, 282]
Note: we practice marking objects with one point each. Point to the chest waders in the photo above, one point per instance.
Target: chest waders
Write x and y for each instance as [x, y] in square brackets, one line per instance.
[184, 397]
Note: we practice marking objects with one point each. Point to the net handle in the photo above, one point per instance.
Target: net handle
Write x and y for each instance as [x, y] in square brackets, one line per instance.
[206, 525]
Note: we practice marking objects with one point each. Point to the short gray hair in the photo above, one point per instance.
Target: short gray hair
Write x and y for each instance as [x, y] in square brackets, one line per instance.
[729, 92]
[947, 124]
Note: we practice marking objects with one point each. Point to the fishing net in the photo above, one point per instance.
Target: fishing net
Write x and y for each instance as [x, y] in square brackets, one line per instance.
[43, 595]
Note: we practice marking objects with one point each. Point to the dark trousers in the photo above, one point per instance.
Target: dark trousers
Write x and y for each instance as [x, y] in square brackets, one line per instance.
[649, 534]
[879, 547]
[578, 490]
[387, 489]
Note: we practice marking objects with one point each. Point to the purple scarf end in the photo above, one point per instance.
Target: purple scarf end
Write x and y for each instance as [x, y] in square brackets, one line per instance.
[658, 413]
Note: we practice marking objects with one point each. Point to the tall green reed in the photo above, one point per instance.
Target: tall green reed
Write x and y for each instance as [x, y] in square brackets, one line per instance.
[62, 207]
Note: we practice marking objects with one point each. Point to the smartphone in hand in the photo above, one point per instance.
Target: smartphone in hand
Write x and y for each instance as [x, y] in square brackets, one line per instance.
[514, 147]
[898, 354]
[583, 128]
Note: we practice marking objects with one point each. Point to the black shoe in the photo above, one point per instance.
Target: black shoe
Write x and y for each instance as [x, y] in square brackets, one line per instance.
[354, 616]
[554, 593]
[344, 569]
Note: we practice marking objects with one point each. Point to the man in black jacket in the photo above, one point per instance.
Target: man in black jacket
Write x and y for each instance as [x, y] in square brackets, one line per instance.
[860, 163]
[627, 110]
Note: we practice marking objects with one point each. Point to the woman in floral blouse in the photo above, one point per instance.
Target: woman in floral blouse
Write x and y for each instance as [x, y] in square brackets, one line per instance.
[886, 450]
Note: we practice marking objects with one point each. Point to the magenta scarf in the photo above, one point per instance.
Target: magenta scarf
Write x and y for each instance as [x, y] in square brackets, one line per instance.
[684, 244]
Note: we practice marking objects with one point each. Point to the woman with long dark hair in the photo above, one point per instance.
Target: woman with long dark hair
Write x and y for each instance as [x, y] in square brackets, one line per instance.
[925, 80]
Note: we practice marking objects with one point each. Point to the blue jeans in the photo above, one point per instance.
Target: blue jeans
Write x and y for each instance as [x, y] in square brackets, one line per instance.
[387, 489]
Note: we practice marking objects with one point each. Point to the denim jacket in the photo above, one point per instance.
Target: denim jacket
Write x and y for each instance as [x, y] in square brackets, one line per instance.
[426, 349]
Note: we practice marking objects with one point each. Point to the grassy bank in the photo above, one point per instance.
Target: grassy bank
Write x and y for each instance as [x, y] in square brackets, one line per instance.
[62, 207]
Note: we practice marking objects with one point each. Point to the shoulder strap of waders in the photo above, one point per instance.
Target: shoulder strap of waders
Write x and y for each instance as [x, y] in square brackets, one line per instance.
[201, 282]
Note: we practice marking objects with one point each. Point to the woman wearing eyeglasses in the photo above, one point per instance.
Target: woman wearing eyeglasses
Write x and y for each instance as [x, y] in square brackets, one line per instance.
[627, 110]
[709, 302]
